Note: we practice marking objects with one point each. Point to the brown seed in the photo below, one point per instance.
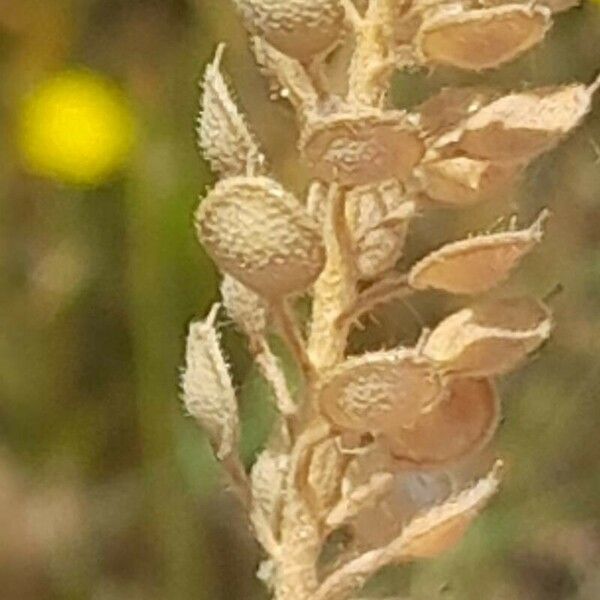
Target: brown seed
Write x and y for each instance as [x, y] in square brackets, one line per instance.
[489, 339]
[261, 235]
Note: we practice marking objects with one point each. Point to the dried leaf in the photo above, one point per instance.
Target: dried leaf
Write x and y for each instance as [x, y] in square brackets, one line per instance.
[288, 77]
[325, 471]
[482, 38]
[300, 28]
[459, 426]
[523, 125]
[378, 217]
[489, 339]
[477, 264]
[223, 134]
[361, 146]
[208, 392]
[261, 235]
[366, 393]
[461, 181]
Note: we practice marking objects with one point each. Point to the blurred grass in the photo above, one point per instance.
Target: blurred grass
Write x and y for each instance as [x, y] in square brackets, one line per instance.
[106, 491]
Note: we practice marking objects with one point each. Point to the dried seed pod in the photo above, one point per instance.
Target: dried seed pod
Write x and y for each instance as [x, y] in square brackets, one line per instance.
[378, 218]
[489, 339]
[300, 28]
[247, 309]
[523, 125]
[477, 264]
[366, 393]
[325, 472]
[361, 146]
[261, 235]
[208, 392]
[225, 139]
[556, 6]
[459, 426]
[442, 527]
[482, 38]
[461, 181]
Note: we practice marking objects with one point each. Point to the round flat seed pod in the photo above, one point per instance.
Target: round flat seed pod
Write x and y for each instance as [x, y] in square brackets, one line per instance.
[299, 28]
[369, 392]
[477, 264]
[483, 38]
[462, 181]
[524, 125]
[361, 147]
[489, 339]
[459, 426]
[556, 6]
[261, 235]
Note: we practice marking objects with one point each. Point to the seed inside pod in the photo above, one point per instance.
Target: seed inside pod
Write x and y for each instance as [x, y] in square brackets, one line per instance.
[261, 235]
[442, 527]
[361, 147]
[300, 28]
[483, 38]
[462, 181]
[489, 339]
[458, 426]
[366, 393]
[522, 126]
[477, 264]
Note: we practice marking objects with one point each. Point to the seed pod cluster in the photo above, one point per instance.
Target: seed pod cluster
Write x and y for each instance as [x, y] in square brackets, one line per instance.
[391, 445]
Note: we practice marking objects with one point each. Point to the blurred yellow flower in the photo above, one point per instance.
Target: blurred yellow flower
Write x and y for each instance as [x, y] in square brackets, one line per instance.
[76, 127]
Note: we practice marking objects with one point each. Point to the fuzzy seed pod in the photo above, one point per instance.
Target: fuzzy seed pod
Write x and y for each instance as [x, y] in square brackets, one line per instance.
[208, 392]
[300, 28]
[523, 125]
[556, 6]
[461, 181]
[378, 218]
[459, 426]
[223, 135]
[325, 471]
[366, 393]
[245, 308]
[489, 339]
[261, 235]
[361, 146]
[482, 38]
[477, 264]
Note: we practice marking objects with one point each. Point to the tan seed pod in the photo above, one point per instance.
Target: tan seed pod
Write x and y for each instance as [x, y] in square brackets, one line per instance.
[462, 181]
[523, 125]
[378, 218]
[441, 528]
[556, 6]
[482, 38]
[489, 339]
[300, 28]
[459, 426]
[366, 393]
[208, 392]
[225, 139]
[361, 146]
[477, 264]
[261, 235]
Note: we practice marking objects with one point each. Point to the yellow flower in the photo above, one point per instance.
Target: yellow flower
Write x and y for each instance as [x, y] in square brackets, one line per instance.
[76, 127]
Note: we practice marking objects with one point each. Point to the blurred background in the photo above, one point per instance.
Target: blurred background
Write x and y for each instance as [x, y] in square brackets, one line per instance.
[106, 491]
